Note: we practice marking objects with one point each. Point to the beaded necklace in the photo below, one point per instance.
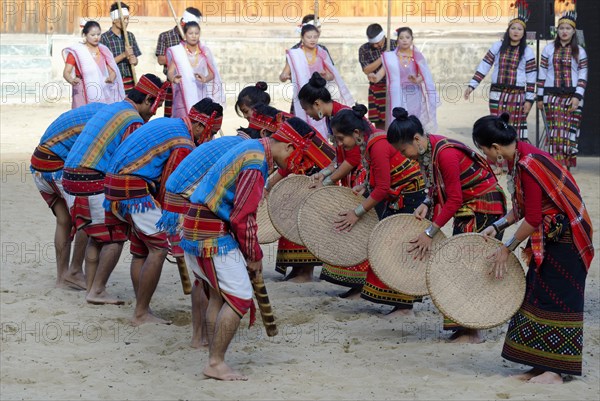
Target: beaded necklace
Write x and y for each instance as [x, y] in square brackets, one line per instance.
[193, 57]
[427, 167]
[510, 177]
[313, 55]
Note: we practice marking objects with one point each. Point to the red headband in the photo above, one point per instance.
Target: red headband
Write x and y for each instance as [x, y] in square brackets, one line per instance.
[261, 121]
[299, 161]
[146, 86]
[211, 123]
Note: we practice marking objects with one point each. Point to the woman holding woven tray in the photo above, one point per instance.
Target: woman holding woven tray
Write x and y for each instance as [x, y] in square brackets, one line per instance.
[459, 184]
[290, 254]
[394, 185]
[547, 332]
[346, 169]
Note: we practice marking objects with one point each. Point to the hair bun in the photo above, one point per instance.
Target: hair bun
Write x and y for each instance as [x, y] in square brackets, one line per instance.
[502, 121]
[360, 110]
[262, 86]
[317, 80]
[399, 113]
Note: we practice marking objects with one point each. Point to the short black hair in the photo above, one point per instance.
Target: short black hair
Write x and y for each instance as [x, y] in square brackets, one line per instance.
[138, 97]
[115, 6]
[195, 11]
[251, 132]
[307, 18]
[207, 106]
[374, 30]
[300, 126]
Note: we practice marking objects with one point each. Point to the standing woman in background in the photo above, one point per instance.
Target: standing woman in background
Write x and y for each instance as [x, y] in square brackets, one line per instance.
[92, 71]
[409, 81]
[514, 75]
[301, 63]
[193, 72]
[561, 84]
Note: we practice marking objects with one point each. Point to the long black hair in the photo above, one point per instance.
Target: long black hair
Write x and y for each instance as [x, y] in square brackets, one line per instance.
[574, 43]
[491, 129]
[404, 127]
[506, 42]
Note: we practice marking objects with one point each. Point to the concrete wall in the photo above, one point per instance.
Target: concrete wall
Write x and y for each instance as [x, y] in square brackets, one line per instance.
[251, 52]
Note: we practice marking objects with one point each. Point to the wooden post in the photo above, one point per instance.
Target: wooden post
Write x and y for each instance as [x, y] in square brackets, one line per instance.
[124, 30]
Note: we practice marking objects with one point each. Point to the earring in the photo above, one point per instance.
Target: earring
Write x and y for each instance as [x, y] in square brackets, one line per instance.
[320, 114]
[499, 159]
[420, 150]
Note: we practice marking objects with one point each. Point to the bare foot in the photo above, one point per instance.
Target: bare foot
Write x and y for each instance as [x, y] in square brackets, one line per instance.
[547, 378]
[352, 293]
[466, 336]
[222, 371]
[102, 299]
[398, 312]
[75, 281]
[528, 375]
[199, 343]
[148, 318]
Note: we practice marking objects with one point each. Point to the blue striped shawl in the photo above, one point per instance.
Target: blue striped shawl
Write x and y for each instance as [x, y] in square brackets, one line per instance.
[217, 188]
[64, 131]
[144, 154]
[187, 175]
[102, 135]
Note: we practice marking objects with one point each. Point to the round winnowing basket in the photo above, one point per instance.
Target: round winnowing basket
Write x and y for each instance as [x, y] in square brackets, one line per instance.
[389, 257]
[266, 232]
[316, 226]
[285, 200]
[461, 286]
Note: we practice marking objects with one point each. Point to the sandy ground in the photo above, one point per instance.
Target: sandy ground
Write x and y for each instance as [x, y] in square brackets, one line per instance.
[55, 346]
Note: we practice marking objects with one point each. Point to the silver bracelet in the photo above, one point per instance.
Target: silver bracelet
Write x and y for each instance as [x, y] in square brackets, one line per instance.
[267, 186]
[326, 172]
[512, 243]
[427, 201]
[431, 231]
[360, 211]
[501, 225]
[328, 181]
